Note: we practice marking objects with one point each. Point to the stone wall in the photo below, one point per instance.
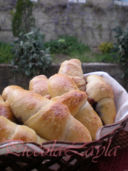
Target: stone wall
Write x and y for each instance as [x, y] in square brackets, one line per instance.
[92, 22]
[8, 77]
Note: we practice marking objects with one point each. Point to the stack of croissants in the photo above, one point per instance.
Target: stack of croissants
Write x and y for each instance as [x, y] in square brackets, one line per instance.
[65, 107]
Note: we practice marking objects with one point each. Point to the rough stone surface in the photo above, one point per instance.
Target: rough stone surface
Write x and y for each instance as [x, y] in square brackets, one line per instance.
[8, 77]
[5, 20]
[6, 36]
[92, 22]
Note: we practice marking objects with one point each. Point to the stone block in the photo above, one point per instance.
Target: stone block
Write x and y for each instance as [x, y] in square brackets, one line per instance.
[50, 2]
[5, 20]
[100, 3]
[6, 36]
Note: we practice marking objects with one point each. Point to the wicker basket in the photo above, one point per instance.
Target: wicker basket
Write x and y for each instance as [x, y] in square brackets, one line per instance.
[105, 154]
[61, 156]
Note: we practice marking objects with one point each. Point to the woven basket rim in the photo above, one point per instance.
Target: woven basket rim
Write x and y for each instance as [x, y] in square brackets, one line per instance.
[119, 125]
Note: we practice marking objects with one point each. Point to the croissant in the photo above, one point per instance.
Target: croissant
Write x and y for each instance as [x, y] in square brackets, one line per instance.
[11, 131]
[101, 93]
[5, 109]
[52, 87]
[79, 107]
[22, 102]
[68, 93]
[73, 69]
[51, 120]
[39, 84]
[59, 84]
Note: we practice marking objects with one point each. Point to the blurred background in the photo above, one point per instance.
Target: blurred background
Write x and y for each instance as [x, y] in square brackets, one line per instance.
[37, 35]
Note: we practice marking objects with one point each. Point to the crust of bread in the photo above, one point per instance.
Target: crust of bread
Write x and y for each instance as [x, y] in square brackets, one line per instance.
[97, 88]
[59, 84]
[39, 84]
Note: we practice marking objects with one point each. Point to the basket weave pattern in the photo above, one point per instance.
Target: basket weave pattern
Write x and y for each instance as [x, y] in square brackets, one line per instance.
[62, 156]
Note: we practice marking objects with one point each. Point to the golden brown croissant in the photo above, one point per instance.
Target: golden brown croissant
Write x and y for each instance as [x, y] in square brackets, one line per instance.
[60, 84]
[73, 69]
[50, 119]
[101, 93]
[57, 84]
[11, 131]
[5, 109]
[22, 102]
[63, 86]
[79, 107]
[39, 84]
[68, 93]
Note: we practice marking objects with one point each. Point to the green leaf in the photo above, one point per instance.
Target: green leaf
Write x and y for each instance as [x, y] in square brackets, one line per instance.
[29, 54]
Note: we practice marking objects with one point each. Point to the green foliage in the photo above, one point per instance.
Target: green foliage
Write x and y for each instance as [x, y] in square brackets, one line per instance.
[122, 47]
[69, 47]
[89, 56]
[5, 52]
[22, 20]
[66, 45]
[97, 57]
[107, 57]
[30, 55]
[106, 47]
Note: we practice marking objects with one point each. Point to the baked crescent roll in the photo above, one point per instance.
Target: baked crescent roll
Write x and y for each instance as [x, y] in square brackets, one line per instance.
[79, 107]
[39, 84]
[59, 84]
[5, 109]
[64, 90]
[50, 119]
[73, 69]
[11, 131]
[23, 103]
[74, 99]
[101, 93]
